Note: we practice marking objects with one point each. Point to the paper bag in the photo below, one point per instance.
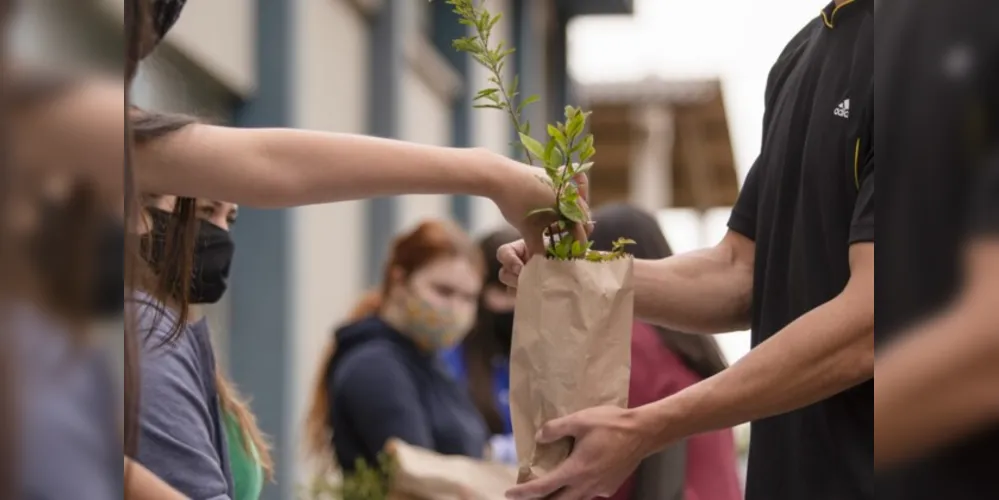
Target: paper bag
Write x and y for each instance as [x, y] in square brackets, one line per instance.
[421, 474]
[571, 349]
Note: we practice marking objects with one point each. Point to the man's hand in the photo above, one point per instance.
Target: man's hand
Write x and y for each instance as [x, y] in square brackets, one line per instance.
[610, 442]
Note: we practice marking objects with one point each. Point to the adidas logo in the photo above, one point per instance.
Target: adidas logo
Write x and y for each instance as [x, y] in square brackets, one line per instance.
[843, 110]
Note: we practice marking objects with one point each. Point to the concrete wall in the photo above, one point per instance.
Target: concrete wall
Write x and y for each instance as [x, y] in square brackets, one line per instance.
[218, 36]
[327, 241]
[426, 119]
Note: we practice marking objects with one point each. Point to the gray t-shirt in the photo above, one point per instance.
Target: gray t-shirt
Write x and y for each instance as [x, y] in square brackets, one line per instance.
[68, 411]
[182, 439]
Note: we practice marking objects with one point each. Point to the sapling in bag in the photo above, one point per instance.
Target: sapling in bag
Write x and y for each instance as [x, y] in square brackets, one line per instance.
[573, 318]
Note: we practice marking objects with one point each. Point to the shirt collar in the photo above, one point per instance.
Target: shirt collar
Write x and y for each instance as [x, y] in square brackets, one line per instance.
[833, 14]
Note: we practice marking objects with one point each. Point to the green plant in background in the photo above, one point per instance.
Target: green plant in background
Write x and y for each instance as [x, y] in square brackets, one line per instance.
[365, 483]
[565, 154]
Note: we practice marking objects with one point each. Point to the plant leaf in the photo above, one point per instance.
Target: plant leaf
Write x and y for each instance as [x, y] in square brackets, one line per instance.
[487, 106]
[557, 134]
[528, 101]
[582, 169]
[570, 210]
[549, 150]
[575, 126]
[484, 93]
[532, 145]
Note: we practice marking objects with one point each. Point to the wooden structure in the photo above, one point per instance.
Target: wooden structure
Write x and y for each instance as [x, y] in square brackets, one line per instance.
[661, 144]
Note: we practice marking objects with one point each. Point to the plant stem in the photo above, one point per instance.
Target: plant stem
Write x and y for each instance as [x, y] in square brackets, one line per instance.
[497, 73]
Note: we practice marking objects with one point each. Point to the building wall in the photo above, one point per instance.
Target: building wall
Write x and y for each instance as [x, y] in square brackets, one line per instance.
[229, 25]
[327, 241]
[425, 116]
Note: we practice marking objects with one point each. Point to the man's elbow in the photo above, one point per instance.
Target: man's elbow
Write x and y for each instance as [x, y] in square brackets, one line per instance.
[859, 365]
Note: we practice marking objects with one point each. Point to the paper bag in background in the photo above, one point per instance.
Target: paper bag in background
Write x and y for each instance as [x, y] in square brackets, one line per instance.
[425, 475]
[571, 349]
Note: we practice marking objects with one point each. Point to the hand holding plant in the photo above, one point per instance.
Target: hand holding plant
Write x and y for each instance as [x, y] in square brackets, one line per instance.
[565, 155]
[572, 324]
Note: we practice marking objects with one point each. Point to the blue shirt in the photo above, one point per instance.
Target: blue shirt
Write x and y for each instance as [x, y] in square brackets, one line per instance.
[381, 386]
[454, 359]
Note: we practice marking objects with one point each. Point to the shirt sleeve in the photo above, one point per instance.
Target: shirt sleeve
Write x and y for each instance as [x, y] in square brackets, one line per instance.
[984, 202]
[862, 226]
[177, 441]
[743, 218]
[382, 401]
[985, 198]
[744, 213]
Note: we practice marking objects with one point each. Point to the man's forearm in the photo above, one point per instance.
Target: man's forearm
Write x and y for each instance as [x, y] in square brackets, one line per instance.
[824, 352]
[707, 291]
[938, 385]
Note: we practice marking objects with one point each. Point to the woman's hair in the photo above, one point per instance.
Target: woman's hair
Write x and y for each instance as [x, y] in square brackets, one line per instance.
[700, 353]
[238, 408]
[429, 242]
[233, 403]
[481, 347]
[140, 38]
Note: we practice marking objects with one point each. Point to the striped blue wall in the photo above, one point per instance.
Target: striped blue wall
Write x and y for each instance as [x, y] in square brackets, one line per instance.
[387, 64]
[262, 272]
[445, 29]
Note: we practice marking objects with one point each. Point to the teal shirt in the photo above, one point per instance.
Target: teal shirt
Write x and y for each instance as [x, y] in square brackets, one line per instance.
[247, 474]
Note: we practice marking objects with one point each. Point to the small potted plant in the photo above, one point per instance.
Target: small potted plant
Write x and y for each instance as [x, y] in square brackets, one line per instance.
[573, 318]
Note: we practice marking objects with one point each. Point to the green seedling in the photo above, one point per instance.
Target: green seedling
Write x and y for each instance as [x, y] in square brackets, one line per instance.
[565, 153]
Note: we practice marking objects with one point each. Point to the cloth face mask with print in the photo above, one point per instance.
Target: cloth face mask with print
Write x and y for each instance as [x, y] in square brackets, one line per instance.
[433, 327]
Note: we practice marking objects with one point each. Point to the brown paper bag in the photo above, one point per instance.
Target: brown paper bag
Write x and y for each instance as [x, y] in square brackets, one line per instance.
[425, 475]
[571, 349]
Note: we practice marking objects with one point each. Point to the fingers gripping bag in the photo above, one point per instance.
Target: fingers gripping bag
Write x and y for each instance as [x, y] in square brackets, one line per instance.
[571, 349]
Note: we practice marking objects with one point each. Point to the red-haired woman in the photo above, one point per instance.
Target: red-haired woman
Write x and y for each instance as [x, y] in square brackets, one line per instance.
[384, 379]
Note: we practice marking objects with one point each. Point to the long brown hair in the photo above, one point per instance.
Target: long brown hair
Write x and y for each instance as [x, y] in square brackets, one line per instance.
[429, 242]
[482, 345]
[237, 407]
[700, 353]
[140, 40]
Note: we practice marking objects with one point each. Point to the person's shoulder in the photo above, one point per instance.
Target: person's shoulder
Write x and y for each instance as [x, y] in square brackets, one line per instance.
[373, 356]
[791, 55]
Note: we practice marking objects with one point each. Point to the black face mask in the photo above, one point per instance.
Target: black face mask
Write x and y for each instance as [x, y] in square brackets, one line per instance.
[109, 301]
[503, 331]
[213, 252]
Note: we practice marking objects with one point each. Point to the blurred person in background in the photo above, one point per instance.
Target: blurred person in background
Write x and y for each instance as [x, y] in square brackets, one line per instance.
[936, 403]
[482, 361]
[65, 406]
[382, 377]
[196, 431]
[796, 267]
[664, 362]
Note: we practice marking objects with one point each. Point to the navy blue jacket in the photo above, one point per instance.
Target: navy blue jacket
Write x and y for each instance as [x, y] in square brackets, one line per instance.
[381, 386]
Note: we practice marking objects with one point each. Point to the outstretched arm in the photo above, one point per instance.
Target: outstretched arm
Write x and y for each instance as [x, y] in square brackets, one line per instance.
[272, 167]
[706, 291]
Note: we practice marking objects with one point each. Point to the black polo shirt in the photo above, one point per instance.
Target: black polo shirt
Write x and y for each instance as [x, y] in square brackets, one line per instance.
[808, 197]
[938, 118]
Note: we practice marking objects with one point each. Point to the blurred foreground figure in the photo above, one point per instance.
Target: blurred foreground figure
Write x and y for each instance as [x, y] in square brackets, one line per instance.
[937, 399]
